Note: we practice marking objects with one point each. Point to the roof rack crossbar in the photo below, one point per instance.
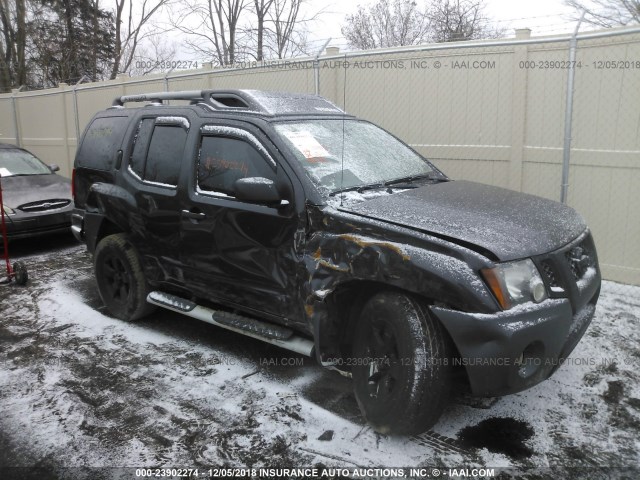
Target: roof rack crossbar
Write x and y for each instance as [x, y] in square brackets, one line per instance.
[240, 101]
[192, 95]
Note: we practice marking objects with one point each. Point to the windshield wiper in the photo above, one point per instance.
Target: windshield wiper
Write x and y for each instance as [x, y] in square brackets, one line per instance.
[434, 176]
[359, 188]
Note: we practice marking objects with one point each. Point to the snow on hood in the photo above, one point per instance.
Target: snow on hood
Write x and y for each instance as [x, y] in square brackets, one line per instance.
[509, 224]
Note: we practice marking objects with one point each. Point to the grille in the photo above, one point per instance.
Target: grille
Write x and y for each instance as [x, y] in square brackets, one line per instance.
[43, 205]
[550, 274]
[579, 260]
[571, 271]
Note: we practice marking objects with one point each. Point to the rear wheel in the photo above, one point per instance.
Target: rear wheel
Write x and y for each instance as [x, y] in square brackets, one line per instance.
[121, 282]
[402, 364]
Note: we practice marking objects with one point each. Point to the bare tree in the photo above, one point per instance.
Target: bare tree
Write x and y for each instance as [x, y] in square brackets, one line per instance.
[262, 8]
[211, 26]
[132, 22]
[388, 23]
[392, 23]
[608, 13]
[359, 30]
[281, 29]
[287, 38]
[13, 40]
[155, 54]
[458, 20]
[228, 31]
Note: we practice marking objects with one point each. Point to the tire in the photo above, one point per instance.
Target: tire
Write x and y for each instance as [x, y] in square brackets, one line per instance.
[121, 281]
[401, 364]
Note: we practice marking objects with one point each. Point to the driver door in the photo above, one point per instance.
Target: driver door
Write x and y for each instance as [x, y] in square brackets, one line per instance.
[232, 251]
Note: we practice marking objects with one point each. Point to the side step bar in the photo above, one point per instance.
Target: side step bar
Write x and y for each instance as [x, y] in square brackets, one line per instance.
[274, 334]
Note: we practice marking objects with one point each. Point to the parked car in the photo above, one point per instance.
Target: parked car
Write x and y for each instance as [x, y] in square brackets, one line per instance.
[280, 217]
[36, 200]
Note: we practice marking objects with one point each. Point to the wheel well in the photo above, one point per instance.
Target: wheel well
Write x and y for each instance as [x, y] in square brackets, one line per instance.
[107, 228]
[345, 304]
[347, 301]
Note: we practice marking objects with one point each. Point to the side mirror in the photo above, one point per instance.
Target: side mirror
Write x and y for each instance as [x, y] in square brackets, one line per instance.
[257, 190]
[54, 168]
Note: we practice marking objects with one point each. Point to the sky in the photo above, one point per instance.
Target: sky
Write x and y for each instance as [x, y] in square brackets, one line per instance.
[543, 17]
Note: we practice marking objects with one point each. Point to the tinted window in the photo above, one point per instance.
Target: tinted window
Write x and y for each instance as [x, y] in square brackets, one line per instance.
[101, 142]
[165, 154]
[223, 160]
[140, 144]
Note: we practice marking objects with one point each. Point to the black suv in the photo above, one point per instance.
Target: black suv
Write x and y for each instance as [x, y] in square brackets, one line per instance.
[280, 217]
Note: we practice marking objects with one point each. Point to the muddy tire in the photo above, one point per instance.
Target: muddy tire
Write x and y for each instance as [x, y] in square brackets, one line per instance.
[401, 364]
[121, 282]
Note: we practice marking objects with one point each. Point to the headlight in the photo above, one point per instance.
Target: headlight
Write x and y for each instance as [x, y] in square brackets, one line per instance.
[515, 283]
[8, 210]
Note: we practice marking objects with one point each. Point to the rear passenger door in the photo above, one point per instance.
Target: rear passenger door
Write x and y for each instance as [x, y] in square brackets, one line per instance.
[156, 154]
[234, 251]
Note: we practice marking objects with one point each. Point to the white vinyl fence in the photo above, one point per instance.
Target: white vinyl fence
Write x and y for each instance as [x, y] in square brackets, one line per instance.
[490, 111]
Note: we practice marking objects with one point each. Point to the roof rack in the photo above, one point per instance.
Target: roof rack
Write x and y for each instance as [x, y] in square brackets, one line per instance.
[192, 95]
[218, 99]
[249, 101]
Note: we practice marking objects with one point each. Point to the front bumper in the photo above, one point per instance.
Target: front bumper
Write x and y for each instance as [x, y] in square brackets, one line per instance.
[33, 225]
[510, 351]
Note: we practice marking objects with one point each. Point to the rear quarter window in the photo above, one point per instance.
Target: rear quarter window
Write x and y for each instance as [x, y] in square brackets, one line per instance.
[101, 141]
[165, 155]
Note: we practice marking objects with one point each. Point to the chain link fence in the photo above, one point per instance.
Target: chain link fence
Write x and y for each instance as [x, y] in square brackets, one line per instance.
[523, 113]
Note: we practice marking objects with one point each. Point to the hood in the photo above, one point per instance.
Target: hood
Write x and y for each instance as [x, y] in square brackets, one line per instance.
[17, 191]
[509, 224]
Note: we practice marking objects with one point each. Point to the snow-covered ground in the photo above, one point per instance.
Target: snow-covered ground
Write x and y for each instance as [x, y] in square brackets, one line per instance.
[78, 388]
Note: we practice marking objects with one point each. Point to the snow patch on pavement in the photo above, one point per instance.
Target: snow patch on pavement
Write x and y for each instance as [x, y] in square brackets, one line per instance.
[81, 388]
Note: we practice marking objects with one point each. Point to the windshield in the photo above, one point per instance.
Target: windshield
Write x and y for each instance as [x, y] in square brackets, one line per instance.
[15, 162]
[371, 155]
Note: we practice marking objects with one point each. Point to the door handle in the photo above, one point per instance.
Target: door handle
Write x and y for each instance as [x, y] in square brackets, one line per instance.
[193, 215]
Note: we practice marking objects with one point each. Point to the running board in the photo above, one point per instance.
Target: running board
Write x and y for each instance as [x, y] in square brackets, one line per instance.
[280, 336]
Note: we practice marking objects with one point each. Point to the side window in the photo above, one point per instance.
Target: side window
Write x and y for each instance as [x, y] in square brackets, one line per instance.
[223, 160]
[140, 145]
[158, 149]
[165, 154]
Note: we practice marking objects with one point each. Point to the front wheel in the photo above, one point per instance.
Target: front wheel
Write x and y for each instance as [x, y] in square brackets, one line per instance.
[401, 366]
[121, 282]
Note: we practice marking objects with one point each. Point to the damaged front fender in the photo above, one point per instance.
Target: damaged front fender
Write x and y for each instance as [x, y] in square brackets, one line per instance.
[346, 251]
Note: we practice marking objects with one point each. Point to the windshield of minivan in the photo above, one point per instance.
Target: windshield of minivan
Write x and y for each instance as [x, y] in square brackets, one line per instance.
[371, 155]
[15, 162]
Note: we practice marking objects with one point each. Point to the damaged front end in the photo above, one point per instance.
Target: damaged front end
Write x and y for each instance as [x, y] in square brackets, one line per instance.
[502, 351]
[346, 257]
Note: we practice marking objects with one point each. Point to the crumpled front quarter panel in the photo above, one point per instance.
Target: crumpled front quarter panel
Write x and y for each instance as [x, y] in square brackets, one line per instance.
[341, 250]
